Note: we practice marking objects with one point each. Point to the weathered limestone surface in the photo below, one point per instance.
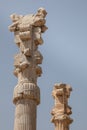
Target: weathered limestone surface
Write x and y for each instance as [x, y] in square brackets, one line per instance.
[27, 30]
[61, 111]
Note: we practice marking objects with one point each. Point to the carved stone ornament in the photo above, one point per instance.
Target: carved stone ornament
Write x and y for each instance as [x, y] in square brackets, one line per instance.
[61, 111]
[28, 31]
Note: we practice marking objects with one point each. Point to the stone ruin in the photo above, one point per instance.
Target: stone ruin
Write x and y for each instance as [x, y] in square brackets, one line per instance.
[27, 32]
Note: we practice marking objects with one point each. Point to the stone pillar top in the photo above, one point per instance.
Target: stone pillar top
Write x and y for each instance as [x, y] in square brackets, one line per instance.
[60, 88]
[28, 31]
[24, 23]
[61, 109]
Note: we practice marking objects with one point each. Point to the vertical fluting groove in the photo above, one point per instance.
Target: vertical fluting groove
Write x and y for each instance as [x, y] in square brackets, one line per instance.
[59, 125]
[62, 126]
[27, 119]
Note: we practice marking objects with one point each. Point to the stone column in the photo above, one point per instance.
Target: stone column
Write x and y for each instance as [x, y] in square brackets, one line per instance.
[61, 111]
[27, 31]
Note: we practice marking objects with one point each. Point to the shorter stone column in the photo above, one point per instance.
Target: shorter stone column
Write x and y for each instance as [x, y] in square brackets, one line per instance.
[61, 111]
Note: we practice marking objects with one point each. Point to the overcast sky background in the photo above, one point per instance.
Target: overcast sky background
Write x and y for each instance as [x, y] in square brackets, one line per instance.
[65, 58]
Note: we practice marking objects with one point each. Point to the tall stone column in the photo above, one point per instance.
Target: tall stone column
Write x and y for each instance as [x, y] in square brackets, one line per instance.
[27, 31]
[61, 111]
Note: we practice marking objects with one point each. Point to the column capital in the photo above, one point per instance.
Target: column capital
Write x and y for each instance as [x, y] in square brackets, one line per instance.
[61, 110]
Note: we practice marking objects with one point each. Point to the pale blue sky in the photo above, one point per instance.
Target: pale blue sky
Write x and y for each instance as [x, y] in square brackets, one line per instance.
[64, 51]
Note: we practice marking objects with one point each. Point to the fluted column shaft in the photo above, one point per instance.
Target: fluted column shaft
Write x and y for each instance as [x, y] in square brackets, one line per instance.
[25, 115]
[26, 98]
[61, 125]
